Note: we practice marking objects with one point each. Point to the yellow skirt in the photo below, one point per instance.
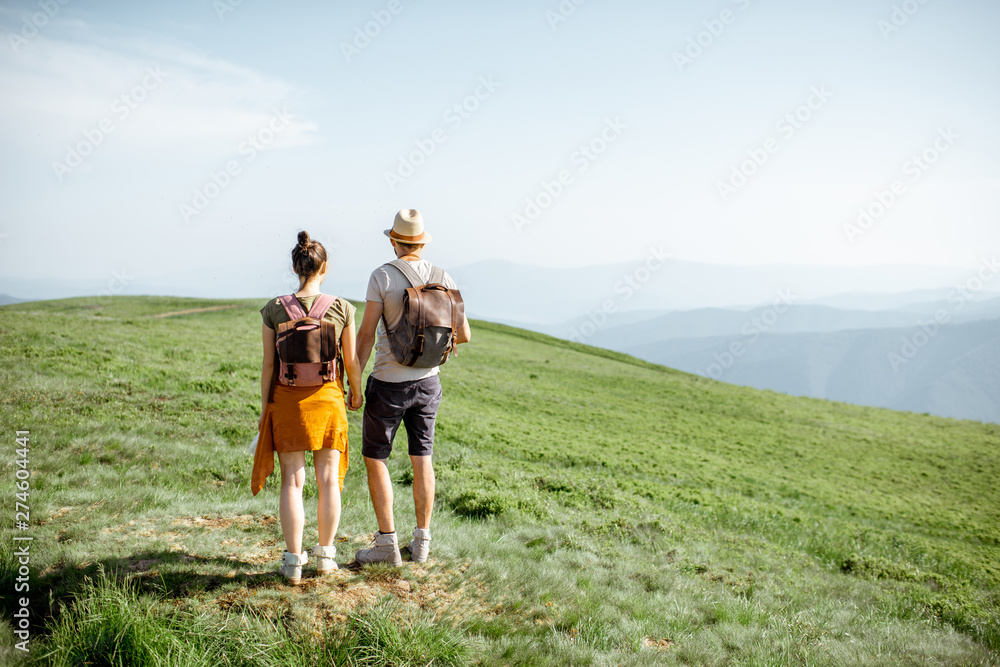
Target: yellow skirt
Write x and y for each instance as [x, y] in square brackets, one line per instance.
[301, 419]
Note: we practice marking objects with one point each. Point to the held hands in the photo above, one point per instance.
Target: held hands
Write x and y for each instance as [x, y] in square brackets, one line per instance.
[354, 401]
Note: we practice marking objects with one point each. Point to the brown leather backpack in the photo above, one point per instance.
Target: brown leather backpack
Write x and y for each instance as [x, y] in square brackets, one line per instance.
[307, 345]
[432, 315]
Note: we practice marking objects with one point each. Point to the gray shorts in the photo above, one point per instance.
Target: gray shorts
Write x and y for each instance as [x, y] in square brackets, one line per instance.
[415, 403]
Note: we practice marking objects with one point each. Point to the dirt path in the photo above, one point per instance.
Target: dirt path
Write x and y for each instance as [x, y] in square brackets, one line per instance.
[197, 310]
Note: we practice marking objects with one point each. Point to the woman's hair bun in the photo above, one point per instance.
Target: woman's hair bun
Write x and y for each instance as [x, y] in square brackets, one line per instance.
[308, 256]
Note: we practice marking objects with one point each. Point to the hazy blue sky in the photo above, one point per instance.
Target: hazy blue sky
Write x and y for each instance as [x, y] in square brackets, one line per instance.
[188, 88]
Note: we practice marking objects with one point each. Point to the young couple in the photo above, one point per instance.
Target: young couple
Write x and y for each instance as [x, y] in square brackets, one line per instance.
[297, 419]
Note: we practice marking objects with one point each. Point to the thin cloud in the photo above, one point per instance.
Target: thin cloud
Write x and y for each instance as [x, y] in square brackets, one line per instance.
[194, 104]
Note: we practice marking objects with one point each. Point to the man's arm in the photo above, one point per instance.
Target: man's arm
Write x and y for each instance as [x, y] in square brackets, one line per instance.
[366, 335]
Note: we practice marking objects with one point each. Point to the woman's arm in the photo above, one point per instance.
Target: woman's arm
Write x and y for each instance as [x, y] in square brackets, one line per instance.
[348, 352]
[267, 366]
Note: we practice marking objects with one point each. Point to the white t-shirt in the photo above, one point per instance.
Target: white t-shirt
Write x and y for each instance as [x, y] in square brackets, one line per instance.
[387, 286]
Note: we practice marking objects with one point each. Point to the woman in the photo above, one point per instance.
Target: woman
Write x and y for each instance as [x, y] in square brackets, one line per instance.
[297, 418]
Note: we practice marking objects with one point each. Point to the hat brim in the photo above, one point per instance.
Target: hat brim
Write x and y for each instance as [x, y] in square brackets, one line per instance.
[424, 238]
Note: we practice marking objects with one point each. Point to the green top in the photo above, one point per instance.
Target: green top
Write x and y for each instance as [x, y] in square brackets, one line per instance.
[340, 313]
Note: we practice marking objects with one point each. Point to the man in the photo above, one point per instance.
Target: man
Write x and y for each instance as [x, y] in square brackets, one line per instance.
[396, 393]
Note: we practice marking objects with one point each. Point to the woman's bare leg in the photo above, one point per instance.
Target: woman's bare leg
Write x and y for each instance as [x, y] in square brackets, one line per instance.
[293, 476]
[327, 462]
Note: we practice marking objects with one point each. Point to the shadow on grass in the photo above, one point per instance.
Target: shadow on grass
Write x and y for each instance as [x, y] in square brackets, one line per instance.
[112, 611]
[163, 574]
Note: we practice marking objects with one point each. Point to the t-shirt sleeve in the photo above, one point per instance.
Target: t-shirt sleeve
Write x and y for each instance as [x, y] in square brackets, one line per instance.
[267, 314]
[343, 310]
[374, 292]
[449, 282]
[351, 310]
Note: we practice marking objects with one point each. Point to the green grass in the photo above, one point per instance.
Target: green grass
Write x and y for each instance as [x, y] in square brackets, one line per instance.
[592, 509]
[112, 624]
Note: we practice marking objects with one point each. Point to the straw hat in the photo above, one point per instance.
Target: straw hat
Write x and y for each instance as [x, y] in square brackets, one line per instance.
[408, 227]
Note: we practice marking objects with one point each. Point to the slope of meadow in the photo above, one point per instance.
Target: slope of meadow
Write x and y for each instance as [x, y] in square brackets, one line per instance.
[592, 509]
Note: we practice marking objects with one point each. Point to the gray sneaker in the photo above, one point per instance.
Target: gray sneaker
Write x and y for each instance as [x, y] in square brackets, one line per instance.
[420, 544]
[384, 549]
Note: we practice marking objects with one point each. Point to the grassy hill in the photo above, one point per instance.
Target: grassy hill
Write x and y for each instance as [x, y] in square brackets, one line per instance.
[592, 509]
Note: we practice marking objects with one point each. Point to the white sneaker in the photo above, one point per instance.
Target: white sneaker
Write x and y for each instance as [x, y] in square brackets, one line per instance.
[291, 566]
[420, 545]
[324, 559]
[384, 549]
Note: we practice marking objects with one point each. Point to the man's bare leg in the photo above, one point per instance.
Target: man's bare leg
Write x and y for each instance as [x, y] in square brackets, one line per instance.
[380, 488]
[423, 489]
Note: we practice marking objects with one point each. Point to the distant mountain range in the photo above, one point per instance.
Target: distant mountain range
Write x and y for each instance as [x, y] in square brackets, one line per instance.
[900, 358]
[712, 322]
[953, 371]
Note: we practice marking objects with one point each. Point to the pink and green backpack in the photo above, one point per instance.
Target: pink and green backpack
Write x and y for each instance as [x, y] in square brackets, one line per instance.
[307, 345]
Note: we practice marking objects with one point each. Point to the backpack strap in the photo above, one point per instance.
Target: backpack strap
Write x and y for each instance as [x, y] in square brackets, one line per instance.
[321, 305]
[294, 311]
[318, 311]
[437, 275]
[292, 306]
[408, 272]
[454, 322]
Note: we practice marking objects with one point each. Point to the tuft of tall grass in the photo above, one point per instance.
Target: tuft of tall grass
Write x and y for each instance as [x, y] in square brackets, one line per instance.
[111, 624]
[385, 635]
